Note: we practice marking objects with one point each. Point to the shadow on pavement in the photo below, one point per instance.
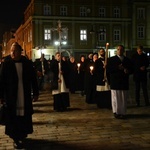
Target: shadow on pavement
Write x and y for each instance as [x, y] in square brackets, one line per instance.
[33, 144]
[138, 116]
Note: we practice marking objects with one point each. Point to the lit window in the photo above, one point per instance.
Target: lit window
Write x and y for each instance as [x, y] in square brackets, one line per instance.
[141, 13]
[117, 35]
[117, 12]
[83, 35]
[47, 34]
[63, 10]
[141, 32]
[47, 9]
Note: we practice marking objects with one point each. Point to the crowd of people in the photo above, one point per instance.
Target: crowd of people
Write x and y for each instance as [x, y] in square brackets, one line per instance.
[104, 82]
[101, 80]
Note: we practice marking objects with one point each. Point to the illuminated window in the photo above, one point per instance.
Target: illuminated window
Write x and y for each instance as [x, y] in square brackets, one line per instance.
[83, 35]
[47, 34]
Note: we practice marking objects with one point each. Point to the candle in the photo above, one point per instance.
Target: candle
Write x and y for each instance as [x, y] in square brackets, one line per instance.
[78, 64]
[91, 69]
[107, 44]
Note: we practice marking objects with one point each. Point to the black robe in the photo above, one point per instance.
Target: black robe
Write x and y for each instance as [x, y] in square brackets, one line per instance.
[16, 126]
[119, 80]
[89, 83]
[72, 76]
[102, 98]
[80, 77]
[61, 100]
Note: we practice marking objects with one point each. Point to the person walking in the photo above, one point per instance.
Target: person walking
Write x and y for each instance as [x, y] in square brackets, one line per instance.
[42, 69]
[72, 74]
[103, 94]
[119, 67]
[90, 80]
[60, 83]
[17, 81]
[140, 63]
[81, 74]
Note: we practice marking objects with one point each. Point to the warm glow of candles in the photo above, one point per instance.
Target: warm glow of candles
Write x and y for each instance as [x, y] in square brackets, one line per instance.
[78, 65]
[91, 68]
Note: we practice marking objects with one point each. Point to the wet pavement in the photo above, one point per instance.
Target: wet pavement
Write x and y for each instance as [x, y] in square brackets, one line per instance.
[85, 127]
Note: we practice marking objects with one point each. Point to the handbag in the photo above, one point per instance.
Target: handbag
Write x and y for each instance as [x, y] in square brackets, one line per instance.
[3, 113]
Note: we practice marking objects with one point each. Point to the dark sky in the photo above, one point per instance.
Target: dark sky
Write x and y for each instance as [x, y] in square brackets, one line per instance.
[11, 14]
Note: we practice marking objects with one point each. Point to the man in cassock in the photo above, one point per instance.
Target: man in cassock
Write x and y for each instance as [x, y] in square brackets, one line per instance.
[103, 94]
[60, 83]
[119, 68]
[17, 81]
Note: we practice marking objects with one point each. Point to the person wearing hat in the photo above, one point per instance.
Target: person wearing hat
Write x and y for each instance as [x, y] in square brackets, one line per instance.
[17, 80]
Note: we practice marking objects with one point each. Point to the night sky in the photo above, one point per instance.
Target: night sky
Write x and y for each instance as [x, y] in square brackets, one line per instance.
[11, 14]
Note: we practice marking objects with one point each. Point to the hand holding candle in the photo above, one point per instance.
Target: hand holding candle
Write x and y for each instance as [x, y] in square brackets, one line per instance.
[78, 64]
[91, 69]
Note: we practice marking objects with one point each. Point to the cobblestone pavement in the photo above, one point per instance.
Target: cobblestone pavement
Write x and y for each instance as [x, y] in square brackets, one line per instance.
[84, 127]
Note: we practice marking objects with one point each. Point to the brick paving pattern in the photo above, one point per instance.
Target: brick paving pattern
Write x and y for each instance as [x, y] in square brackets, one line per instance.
[84, 127]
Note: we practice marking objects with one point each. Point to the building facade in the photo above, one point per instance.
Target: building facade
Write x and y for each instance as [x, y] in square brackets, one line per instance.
[79, 27]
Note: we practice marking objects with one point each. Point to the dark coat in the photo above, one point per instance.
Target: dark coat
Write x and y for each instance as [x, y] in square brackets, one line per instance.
[55, 71]
[139, 61]
[9, 84]
[72, 76]
[119, 80]
[38, 65]
[81, 76]
[99, 72]
[15, 127]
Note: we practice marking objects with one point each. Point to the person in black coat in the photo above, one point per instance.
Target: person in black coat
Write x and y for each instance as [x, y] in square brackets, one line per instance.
[140, 62]
[60, 83]
[119, 68]
[17, 81]
[72, 75]
[42, 69]
[81, 75]
[103, 94]
[90, 80]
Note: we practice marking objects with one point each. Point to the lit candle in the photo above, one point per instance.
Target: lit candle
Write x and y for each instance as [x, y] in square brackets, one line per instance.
[91, 69]
[107, 44]
[78, 64]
